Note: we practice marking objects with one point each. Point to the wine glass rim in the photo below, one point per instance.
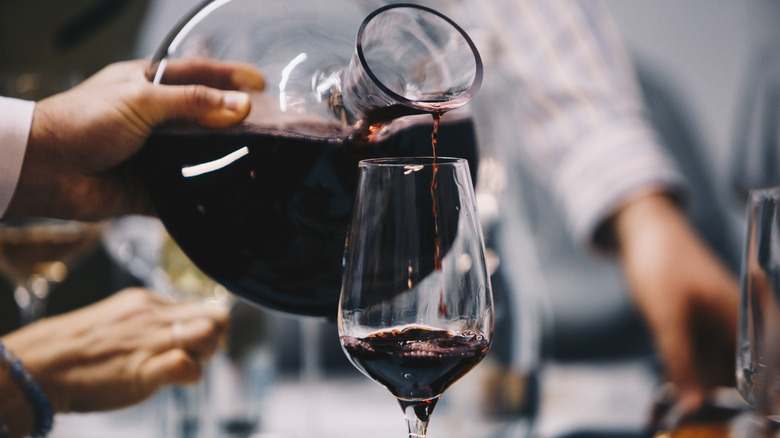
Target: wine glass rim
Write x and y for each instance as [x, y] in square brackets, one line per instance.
[411, 161]
[765, 192]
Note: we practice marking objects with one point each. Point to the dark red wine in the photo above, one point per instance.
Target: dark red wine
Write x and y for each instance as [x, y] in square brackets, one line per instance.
[416, 363]
[264, 212]
[443, 311]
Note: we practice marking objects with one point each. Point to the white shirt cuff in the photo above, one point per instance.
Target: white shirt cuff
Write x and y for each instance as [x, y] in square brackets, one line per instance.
[15, 121]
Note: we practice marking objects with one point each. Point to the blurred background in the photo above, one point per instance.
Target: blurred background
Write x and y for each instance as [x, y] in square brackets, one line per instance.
[708, 69]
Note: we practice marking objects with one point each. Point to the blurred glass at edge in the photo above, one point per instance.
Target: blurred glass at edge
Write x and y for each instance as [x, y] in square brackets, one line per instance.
[754, 181]
[758, 353]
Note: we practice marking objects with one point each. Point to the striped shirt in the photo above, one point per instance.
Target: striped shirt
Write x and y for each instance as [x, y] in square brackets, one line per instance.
[560, 101]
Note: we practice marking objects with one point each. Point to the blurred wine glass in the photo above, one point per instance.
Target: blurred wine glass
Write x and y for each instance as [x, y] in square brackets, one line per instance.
[758, 345]
[416, 307]
[37, 254]
[143, 247]
[226, 402]
[187, 281]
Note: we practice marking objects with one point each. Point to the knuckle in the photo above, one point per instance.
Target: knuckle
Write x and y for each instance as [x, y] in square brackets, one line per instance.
[198, 95]
[137, 298]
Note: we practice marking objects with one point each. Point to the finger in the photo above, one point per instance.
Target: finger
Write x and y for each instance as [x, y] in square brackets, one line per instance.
[163, 324]
[681, 366]
[199, 337]
[716, 347]
[220, 314]
[198, 104]
[172, 367]
[216, 74]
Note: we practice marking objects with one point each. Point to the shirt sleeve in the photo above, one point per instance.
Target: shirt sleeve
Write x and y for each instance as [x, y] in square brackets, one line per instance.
[15, 121]
[580, 121]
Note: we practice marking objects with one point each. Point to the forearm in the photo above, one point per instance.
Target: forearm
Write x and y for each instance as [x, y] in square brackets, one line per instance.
[685, 293]
[651, 234]
[638, 222]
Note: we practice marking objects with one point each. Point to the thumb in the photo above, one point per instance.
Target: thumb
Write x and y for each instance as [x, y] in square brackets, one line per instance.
[205, 106]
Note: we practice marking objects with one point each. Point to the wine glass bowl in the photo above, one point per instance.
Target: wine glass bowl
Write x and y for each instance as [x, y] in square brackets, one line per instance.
[36, 254]
[142, 246]
[416, 307]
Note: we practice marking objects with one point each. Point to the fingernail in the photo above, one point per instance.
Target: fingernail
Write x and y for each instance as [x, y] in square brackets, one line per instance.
[235, 100]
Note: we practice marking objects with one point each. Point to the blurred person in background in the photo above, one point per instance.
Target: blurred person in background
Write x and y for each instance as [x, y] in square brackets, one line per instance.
[692, 75]
[576, 125]
[587, 136]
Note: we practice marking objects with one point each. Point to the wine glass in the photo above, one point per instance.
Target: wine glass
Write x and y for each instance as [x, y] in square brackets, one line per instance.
[144, 248]
[36, 254]
[226, 400]
[758, 346]
[416, 306]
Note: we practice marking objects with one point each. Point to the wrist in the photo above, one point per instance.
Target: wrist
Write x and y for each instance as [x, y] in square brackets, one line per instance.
[22, 397]
[58, 177]
[34, 186]
[16, 411]
[48, 185]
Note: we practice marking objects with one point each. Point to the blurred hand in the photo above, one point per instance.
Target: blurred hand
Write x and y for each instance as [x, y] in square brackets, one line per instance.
[79, 138]
[116, 352]
[688, 297]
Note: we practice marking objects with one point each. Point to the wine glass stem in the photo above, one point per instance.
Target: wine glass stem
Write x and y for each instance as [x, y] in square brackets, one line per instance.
[311, 373]
[417, 414]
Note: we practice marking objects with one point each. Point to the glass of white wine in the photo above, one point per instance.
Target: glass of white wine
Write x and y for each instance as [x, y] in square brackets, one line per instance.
[226, 401]
[37, 254]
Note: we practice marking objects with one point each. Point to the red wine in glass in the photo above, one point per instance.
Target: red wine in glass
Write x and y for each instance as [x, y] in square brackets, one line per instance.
[416, 363]
[406, 261]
